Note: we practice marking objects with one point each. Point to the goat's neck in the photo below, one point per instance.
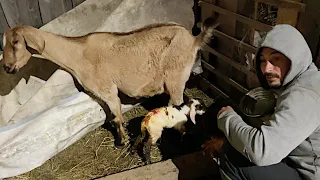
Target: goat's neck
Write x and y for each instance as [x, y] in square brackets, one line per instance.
[61, 50]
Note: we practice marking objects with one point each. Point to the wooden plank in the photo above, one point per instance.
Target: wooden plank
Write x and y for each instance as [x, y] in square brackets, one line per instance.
[76, 2]
[317, 62]
[309, 25]
[228, 26]
[301, 7]
[3, 22]
[22, 12]
[243, 30]
[255, 16]
[11, 12]
[205, 13]
[235, 41]
[233, 63]
[50, 9]
[189, 166]
[165, 169]
[288, 15]
[246, 20]
[3, 26]
[225, 78]
[205, 84]
[252, 81]
[212, 87]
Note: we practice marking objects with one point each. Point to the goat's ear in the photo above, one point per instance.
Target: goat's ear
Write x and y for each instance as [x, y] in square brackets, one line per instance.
[193, 113]
[34, 41]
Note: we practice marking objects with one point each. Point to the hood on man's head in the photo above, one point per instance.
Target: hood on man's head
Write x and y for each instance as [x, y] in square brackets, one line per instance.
[289, 41]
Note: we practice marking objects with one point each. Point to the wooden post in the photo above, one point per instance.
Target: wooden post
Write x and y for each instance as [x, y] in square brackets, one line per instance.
[3, 27]
[288, 15]
[76, 2]
[22, 12]
[252, 80]
[309, 25]
[50, 9]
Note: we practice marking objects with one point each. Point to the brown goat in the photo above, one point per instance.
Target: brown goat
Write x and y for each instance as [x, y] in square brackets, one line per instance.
[142, 63]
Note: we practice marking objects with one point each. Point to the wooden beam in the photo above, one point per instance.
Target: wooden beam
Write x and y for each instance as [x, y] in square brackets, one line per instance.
[216, 90]
[309, 25]
[301, 7]
[51, 9]
[246, 20]
[76, 2]
[233, 63]
[235, 41]
[224, 77]
[288, 15]
[22, 12]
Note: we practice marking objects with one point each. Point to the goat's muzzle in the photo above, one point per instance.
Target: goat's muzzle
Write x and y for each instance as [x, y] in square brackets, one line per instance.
[8, 69]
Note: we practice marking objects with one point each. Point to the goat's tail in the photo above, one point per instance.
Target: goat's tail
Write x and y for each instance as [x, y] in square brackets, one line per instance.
[207, 29]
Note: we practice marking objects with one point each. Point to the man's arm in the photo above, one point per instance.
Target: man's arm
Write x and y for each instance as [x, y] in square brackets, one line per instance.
[295, 118]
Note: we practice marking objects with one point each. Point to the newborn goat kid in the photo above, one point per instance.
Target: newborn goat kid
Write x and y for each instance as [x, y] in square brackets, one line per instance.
[168, 117]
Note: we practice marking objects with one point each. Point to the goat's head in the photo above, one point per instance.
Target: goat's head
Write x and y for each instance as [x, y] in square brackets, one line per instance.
[196, 106]
[19, 44]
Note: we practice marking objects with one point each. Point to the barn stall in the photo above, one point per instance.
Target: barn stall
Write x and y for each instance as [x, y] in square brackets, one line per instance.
[227, 64]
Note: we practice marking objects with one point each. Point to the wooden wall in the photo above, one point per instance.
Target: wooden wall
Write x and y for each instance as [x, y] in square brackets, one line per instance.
[35, 13]
[309, 25]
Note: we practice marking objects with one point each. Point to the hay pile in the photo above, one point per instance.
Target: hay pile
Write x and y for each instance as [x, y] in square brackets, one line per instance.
[267, 14]
[94, 155]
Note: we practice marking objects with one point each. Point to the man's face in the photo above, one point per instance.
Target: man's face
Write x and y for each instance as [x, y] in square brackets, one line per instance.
[274, 66]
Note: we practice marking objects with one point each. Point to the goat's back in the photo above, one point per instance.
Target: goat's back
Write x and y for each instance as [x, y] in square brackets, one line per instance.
[149, 44]
[140, 61]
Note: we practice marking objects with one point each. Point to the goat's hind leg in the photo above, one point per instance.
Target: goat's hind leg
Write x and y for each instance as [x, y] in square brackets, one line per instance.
[148, 151]
[139, 140]
[152, 141]
[175, 86]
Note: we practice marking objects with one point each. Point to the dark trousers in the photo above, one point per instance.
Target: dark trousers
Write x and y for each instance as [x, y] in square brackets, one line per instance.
[238, 167]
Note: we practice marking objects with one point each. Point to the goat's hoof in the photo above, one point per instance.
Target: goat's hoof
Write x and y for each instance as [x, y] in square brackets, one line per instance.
[147, 162]
[119, 144]
[132, 150]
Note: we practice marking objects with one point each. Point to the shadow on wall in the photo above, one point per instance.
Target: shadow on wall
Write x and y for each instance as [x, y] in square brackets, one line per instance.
[37, 67]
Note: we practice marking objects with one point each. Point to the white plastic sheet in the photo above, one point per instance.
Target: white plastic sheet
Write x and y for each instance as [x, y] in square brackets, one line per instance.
[64, 116]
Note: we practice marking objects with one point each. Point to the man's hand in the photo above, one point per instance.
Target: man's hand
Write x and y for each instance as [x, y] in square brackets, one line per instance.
[213, 147]
[224, 109]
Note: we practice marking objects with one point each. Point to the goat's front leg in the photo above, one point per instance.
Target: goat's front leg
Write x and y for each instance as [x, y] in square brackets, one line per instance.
[110, 96]
[181, 128]
[176, 93]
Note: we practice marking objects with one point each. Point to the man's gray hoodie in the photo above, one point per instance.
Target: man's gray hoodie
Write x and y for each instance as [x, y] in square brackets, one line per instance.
[293, 130]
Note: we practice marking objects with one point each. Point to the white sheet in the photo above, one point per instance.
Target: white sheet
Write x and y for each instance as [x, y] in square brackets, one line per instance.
[53, 118]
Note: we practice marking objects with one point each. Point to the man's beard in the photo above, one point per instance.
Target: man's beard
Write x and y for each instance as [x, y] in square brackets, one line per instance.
[272, 75]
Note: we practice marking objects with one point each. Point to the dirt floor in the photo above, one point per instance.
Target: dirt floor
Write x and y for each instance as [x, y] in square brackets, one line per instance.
[95, 156]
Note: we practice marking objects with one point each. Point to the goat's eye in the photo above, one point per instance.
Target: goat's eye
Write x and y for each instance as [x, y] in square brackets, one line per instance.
[15, 42]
